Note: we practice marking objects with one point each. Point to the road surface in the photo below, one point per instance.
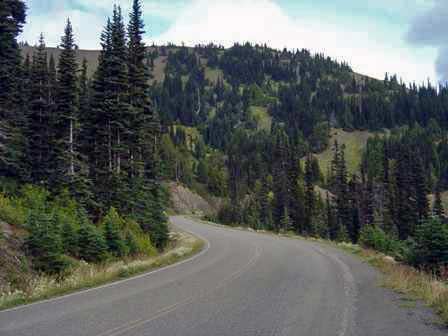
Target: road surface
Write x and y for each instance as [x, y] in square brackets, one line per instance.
[241, 284]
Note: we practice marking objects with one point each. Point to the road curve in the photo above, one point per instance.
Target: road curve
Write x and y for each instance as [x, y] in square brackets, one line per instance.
[242, 284]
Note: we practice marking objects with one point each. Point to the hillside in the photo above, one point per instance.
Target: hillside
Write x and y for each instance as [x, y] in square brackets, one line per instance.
[260, 128]
[354, 142]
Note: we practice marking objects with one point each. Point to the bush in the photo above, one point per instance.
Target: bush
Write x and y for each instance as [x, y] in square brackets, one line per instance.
[92, 245]
[44, 243]
[139, 242]
[375, 238]
[113, 225]
[431, 245]
[35, 198]
[11, 211]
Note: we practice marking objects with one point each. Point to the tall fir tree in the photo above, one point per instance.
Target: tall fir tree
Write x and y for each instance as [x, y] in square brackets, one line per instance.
[12, 119]
[310, 198]
[70, 168]
[40, 131]
[438, 209]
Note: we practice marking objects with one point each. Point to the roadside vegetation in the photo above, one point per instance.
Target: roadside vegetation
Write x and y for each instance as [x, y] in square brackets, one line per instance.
[417, 270]
[83, 275]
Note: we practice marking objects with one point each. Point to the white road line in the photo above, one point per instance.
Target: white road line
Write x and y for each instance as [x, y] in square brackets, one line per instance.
[112, 284]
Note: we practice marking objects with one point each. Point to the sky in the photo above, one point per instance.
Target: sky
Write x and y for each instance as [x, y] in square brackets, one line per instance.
[403, 37]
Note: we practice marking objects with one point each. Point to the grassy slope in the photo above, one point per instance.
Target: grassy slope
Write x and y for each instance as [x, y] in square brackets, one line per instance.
[213, 75]
[90, 55]
[262, 117]
[354, 142]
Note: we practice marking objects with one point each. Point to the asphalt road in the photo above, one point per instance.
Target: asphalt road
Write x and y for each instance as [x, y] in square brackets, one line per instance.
[242, 283]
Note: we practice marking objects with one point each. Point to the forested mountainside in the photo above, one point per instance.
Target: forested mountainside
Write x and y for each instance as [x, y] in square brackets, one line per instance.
[247, 124]
[79, 156]
[255, 120]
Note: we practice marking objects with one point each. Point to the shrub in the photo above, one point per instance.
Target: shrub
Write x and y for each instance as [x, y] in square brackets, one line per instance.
[142, 241]
[70, 238]
[374, 237]
[44, 243]
[112, 225]
[431, 245]
[11, 211]
[92, 245]
[35, 198]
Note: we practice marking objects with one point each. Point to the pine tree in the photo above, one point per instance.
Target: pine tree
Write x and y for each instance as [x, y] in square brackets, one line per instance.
[69, 236]
[340, 186]
[285, 220]
[281, 183]
[297, 211]
[40, 131]
[266, 216]
[99, 144]
[431, 250]
[143, 140]
[91, 243]
[44, 243]
[115, 243]
[331, 219]
[65, 118]
[70, 168]
[310, 197]
[438, 209]
[421, 190]
[12, 118]
[406, 202]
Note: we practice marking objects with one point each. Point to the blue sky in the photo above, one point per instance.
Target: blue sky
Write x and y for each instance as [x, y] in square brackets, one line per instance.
[374, 36]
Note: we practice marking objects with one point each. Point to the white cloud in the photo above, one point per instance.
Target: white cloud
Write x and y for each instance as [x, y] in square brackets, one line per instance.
[87, 28]
[370, 49]
[264, 21]
[87, 25]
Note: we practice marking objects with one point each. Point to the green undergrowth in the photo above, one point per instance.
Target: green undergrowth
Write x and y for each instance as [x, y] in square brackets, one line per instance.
[85, 276]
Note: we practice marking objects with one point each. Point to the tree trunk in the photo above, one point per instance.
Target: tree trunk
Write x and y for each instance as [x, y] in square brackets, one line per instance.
[72, 154]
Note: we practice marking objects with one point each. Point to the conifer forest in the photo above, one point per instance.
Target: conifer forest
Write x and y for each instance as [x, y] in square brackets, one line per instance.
[86, 148]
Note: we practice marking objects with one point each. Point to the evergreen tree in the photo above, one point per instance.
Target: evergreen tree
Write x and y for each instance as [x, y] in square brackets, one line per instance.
[431, 244]
[92, 245]
[69, 235]
[285, 220]
[407, 208]
[310, 197]
[12, 118]
[40, 131]
[44, 243]
[340, 186]
[438, 209]
[112, 224]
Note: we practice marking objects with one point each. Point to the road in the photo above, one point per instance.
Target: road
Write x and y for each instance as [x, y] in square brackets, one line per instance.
[242, 283]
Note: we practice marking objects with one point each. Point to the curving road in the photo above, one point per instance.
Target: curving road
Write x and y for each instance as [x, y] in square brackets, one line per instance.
[241, 284]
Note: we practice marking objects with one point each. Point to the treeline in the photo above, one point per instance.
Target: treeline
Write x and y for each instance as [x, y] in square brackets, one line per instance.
[211, 97]
[96, 139]
[385, 206]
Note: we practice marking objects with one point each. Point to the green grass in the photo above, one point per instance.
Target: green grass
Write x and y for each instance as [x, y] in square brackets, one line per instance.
[89, 276]
[354, 142]
[213, 75]
[262, 117]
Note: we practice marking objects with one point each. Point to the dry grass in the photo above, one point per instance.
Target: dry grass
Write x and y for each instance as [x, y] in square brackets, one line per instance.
[414, 284]
[86, 275]
[404, 279]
